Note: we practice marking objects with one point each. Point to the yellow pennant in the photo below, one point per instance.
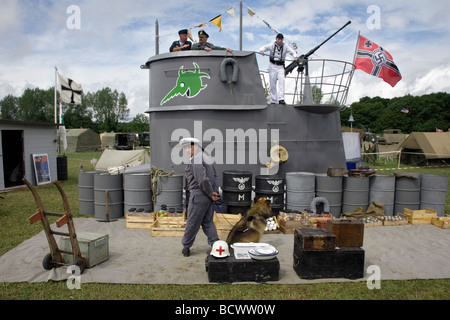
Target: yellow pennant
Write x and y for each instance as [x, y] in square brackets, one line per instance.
[217, 21]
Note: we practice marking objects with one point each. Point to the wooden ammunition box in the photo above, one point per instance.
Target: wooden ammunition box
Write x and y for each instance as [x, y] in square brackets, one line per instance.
[349, 233]
[230, 269]
[309, 239]
[345, 262]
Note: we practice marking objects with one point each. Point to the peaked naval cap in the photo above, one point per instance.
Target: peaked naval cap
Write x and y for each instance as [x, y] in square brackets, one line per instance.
[187, 142]
[202, 33]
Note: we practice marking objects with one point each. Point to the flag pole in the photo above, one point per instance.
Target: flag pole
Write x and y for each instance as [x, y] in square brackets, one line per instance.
[353, 70]
[356, 49]
[56, 84]
[240, 27]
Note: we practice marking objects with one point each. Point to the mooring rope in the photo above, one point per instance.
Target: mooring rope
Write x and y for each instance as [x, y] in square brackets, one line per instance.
[156, 178]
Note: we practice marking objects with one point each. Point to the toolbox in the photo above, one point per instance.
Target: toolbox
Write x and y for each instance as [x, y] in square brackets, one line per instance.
[230, 269]
[344, 262]
[94, 247]
[349, 233]
[312, 239]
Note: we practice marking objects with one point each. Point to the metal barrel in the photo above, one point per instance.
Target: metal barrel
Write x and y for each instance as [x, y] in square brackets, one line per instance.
[382, 190]
[137, 191]
[237, 190]
[86, 192]
[108, 196]
[407, 194]
[169, 191]
[433, 190]
[355, 193]
[300, 187]
[272, 188]
[330, 188]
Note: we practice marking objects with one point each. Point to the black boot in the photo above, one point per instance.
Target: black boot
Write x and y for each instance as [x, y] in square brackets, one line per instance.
[186, 252]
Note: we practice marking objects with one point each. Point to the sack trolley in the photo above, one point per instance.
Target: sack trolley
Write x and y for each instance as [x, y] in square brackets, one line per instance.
[55, 259]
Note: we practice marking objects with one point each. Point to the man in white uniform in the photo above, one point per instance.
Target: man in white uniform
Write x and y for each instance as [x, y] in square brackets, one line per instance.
[278, 52]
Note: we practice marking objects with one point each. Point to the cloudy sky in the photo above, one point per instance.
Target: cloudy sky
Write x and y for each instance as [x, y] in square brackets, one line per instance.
[101, 43]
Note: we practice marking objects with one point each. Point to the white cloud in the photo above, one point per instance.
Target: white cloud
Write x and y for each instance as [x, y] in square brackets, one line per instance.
[116, 38]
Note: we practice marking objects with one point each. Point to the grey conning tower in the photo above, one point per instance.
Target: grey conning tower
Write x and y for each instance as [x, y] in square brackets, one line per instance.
[219, 98]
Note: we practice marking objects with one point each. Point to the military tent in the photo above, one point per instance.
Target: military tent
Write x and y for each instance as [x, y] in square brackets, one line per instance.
[82, 140]
[420, 147]
[127, 158]
[107, 139]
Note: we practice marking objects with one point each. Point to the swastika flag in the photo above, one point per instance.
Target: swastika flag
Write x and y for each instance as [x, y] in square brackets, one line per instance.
[374, 60]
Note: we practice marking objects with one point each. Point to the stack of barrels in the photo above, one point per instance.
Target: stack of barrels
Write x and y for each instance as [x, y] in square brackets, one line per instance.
[238, 186]
[108, 196]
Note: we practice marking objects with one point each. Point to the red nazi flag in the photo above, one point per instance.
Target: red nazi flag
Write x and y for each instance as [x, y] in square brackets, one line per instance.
[374, 60]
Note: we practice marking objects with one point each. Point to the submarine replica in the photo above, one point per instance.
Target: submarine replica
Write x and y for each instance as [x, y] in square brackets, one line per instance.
[220, 99]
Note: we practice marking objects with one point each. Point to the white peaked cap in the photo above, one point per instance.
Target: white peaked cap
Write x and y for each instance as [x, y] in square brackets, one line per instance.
[186, 142]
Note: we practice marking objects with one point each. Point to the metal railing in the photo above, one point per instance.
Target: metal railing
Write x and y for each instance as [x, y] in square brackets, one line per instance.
[326, 81]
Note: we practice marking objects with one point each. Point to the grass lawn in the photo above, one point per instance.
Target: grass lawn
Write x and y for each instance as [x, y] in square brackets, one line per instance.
[18, 205]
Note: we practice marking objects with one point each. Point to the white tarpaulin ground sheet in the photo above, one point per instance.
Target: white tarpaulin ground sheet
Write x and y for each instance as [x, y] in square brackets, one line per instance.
[401, 252]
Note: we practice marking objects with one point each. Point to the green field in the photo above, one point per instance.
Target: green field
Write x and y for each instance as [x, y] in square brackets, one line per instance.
[18, 205]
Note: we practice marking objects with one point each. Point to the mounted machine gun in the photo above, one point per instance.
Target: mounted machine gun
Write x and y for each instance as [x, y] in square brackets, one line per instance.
[302, 61]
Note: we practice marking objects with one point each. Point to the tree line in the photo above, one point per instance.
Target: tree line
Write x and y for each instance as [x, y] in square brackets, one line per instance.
[107, 110]
[102, 111]
[424, 113]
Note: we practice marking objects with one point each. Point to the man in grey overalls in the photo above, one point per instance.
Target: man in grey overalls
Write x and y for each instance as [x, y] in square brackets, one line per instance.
[203, 191]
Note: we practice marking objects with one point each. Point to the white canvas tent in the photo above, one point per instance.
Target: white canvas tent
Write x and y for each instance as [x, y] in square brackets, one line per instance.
[126, 158]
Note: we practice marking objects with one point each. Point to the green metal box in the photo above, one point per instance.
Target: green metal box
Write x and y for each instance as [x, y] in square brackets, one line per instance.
[94, 247]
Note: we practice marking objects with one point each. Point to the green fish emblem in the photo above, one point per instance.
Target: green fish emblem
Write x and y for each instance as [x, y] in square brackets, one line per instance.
[189, 84]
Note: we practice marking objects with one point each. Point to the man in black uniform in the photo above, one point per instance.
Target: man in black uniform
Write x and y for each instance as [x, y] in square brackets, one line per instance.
[182, 44]
[203, 191]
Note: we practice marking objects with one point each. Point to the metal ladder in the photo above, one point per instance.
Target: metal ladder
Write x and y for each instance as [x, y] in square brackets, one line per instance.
[55, 259]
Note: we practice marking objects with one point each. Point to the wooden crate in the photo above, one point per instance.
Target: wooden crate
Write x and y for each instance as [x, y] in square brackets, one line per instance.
[225, 222]
[139, 220]
[419, 216]
[441, 222]
[348, 232]
[316, 217]
[378, 223]
[400, 222]
[288, 222]
[168, 226]
[277, 230]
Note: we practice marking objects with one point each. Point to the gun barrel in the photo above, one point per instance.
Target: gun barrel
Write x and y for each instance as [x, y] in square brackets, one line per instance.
[316, 48]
